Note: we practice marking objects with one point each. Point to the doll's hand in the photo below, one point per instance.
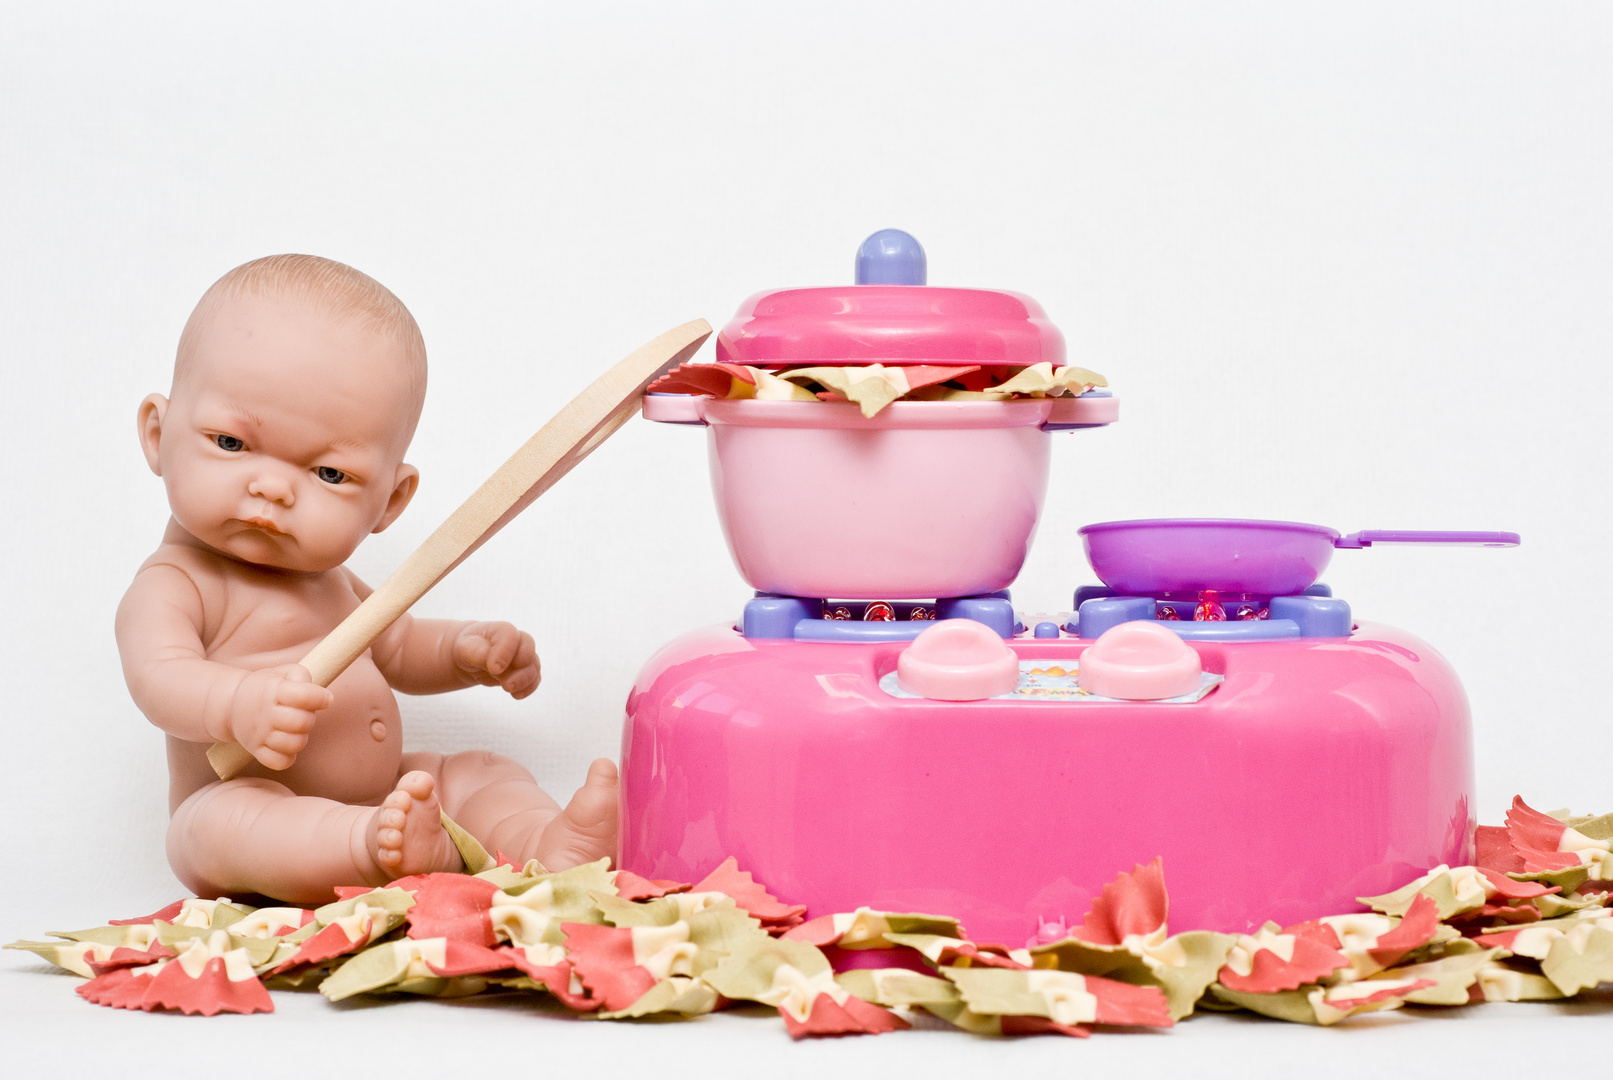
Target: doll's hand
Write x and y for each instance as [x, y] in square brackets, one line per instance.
[497, 654]
[273, 713]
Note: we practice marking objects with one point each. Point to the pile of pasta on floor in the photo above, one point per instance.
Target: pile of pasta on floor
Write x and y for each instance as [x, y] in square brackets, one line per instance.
[1530, 922]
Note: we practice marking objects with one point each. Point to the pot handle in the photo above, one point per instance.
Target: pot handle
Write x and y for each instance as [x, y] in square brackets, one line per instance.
[675, 409]
[1416, 536]
[1092, 409]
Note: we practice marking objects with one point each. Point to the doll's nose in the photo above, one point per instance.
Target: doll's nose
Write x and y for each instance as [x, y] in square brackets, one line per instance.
[273, 485]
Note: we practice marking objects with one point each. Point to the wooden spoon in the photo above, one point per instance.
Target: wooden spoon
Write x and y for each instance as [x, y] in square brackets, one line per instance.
[591, 418]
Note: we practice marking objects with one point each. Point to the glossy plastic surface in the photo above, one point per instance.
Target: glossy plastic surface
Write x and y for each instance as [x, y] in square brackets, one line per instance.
[1316, 773]
[1139, 661]
[1267, 558]
[891, 257]
[889, 324]
[924, 500]
[1434, 538]
[958, 660]
[1287, 617]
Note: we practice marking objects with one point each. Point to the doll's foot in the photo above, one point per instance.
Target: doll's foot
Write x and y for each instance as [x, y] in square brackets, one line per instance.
[406, 833]
[586, 829]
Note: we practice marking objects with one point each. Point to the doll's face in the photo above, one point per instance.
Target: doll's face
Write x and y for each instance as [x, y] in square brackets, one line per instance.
[283, 444]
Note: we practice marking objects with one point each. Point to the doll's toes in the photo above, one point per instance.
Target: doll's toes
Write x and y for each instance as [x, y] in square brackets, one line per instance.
[586, 829]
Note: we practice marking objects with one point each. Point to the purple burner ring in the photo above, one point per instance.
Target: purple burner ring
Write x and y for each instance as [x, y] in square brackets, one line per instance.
[1271, 558]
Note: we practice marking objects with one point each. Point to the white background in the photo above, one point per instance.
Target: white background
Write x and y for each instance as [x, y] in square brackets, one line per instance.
[1347, 264]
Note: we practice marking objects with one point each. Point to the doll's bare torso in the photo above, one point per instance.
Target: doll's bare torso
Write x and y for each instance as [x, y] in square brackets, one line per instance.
[257, 617]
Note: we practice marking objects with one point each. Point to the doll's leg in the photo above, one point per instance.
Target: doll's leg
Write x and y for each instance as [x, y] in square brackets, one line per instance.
[497, 801]
[254, 835]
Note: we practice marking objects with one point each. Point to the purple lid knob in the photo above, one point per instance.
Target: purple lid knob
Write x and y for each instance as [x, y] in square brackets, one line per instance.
[891, 257]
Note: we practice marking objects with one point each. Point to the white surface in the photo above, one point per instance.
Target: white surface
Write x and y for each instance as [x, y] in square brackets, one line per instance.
[1346, 265]
[308, 1036]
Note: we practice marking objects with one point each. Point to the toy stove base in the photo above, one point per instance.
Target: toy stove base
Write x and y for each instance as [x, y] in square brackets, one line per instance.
[1317, 771]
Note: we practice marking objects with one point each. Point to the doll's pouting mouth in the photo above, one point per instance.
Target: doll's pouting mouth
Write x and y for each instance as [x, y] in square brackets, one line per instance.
[262, 524]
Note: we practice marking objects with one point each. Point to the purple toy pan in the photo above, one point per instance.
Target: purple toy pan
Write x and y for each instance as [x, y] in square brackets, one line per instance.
[1262, 558]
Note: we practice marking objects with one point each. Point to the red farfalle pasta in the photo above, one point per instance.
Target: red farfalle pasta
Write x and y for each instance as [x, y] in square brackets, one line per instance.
[124, 957]
[208, 977]
[1274, 960]
[454, 906]
[1133, 905]
[619, 964]
[1415, 929]
[167, 914]
[853, 1016]
[629, 886]
[745, 891]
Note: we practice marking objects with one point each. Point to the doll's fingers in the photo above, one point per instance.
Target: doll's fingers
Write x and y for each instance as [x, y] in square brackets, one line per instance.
[470, 651]
[537, 675]
[293, 721]
[290, 737]
[303, 696]
[504, 647]
[523, 679]
[526, 655]
[285, 742]
[273, 759]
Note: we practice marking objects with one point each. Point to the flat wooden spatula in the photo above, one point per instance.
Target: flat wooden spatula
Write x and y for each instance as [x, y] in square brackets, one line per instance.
[591, 418]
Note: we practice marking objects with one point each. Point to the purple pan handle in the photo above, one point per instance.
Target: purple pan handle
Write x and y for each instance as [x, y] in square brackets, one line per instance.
[1415, 536]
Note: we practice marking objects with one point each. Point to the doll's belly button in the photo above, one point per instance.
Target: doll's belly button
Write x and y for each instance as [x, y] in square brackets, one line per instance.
[378, 730]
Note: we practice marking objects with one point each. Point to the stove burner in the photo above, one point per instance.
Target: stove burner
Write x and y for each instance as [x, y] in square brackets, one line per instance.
[1196, 616]
[805, 619]
[1214, 616]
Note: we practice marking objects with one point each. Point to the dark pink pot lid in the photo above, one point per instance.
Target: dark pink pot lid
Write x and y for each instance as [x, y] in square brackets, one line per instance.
[890, 317]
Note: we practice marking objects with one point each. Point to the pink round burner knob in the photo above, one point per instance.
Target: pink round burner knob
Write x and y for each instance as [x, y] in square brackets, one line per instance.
[958, 660]
[1139, 661]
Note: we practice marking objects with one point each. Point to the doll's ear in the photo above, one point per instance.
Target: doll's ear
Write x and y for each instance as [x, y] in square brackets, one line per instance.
[403, 489]
[152, 411]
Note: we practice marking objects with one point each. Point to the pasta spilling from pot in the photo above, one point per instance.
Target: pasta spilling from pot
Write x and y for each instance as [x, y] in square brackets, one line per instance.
[874, 386]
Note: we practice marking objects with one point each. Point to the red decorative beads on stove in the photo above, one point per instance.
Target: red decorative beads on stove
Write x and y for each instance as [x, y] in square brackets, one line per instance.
[879, 611]
[1209, 608]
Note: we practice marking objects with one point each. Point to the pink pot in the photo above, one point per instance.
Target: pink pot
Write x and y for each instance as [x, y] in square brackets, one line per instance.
[925, 500]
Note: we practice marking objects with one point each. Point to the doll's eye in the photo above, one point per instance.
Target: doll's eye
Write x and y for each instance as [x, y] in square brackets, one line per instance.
[330, 475]
[229, 442]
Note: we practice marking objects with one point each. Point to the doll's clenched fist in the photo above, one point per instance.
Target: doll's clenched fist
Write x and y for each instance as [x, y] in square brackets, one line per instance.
[497, 654]
[273, 713]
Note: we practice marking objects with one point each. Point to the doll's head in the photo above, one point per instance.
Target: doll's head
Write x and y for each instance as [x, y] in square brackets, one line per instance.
[297, 387]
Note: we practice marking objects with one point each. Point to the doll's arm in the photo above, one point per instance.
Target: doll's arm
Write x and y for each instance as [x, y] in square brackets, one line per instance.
[431, 656]
[269, 711]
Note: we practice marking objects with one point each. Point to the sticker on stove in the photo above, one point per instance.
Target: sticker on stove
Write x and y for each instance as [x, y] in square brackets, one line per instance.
[1054, 681]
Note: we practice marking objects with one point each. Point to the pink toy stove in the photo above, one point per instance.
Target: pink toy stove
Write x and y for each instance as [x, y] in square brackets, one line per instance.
[1318, 771]
[1311, 759]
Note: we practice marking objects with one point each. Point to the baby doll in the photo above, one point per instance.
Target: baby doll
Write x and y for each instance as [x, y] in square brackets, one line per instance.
[296, 390]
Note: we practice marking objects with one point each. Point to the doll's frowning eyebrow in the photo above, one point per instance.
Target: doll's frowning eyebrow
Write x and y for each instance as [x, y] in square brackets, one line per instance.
[244, 413]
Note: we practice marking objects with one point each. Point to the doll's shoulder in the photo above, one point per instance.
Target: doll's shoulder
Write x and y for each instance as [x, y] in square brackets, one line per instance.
[182, 574]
